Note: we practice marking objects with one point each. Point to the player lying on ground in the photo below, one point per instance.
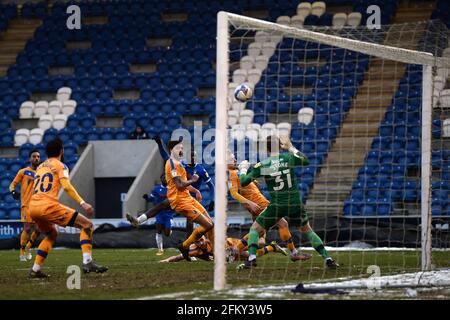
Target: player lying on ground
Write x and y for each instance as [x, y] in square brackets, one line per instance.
[192, 168]
[237, 249]
[202, 249]
[182, 202]
[46, 210]
[25, 177]
[254, 201]
[278, 173]
[164, 219]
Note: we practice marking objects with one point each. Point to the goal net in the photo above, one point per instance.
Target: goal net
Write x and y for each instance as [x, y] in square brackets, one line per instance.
[367, 108]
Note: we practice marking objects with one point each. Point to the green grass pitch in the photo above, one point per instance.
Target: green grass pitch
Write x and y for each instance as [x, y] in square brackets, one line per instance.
[136, 273]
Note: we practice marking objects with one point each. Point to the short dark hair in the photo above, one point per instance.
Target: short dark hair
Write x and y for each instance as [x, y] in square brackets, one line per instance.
[33, 151]
[270, 140]
[54, 147]
[172, 144]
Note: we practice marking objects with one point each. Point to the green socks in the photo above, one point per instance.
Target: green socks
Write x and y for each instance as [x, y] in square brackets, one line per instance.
[253, 238]
[317, 244]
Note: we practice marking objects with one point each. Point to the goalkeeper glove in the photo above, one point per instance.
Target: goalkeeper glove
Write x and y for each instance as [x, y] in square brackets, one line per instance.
[211, 206]
[243, 167]
[16, 195]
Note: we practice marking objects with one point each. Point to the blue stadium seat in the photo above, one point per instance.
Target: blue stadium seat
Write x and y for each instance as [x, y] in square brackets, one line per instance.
[3, 211]
[78, 136]
[121, 134]
[14, 211]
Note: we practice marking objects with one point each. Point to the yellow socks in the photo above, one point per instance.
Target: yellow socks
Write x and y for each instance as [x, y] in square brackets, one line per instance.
[44, 249]
[32, 240]
[263, 251]
[195, 235]
[86, 245]
[23, 241]
[285, 236]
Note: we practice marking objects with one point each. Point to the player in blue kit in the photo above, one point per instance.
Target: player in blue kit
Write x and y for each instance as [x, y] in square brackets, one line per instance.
[164, 219]
[164, 214]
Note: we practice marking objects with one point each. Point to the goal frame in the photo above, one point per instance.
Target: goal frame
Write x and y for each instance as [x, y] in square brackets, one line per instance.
[427, 60]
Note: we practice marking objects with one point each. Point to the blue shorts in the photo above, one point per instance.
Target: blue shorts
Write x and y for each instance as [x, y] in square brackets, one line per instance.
[165, 218]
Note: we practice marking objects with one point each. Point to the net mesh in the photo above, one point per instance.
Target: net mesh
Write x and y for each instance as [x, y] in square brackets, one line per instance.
[350, 99]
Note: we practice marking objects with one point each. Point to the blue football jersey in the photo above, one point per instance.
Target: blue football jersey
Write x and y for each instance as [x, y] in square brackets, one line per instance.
[159, 194]
[200, 171]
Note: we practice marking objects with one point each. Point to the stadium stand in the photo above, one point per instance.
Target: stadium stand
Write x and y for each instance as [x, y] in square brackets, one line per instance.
[97, 72]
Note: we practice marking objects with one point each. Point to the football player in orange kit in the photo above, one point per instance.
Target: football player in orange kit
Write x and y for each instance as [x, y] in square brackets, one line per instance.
[46, 210]
[254, 201]
[178, 188]
[25, 177]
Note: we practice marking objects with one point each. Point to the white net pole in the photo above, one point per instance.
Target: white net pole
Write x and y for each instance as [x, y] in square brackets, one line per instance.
[387, 46]
[220, 153]
[427, 90]
[373, 49]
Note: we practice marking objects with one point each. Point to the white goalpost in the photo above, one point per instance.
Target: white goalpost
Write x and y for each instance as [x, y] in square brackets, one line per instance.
[331, 72]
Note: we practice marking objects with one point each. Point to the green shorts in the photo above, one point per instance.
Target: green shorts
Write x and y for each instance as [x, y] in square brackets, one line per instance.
[296, 213]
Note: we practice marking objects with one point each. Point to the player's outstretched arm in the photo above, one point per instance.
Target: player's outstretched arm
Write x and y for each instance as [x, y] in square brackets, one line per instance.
[70, 190]
[162, 150]
[173, 259]
[299, 158]
[247, 174]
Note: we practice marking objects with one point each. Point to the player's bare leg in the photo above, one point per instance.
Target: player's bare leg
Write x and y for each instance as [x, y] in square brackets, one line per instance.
[317, 244]
[206, 224]
[189, 227]
[135, 222]
[159, 238]
[87, 229]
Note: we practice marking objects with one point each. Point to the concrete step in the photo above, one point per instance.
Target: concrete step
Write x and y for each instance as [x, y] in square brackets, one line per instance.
[367, 116]
[365, 99]
[325, 204]
[329, 194]
[25, 123]
[339, 157]
[360, 129]
[350, 143]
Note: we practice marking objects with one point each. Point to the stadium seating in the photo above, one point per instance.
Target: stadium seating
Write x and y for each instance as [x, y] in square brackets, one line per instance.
[170, 92]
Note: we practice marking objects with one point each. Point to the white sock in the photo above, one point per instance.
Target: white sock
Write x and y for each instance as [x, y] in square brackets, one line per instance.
[294, 252]
[87, 257]
[142, 218]
[251, 257]
[159, 241]
[36, 267]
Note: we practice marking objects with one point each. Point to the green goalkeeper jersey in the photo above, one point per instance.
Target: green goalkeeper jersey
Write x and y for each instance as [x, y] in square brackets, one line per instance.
[278, 173]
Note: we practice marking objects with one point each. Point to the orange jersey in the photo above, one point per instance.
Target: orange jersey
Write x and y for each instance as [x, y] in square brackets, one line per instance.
[175, 169]
[201, 252]
[234, 242]
[47, 181]
[25, 177]
[250, 192]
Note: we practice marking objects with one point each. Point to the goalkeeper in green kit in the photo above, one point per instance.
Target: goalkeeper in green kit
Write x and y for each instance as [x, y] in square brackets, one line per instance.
[285, 201]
